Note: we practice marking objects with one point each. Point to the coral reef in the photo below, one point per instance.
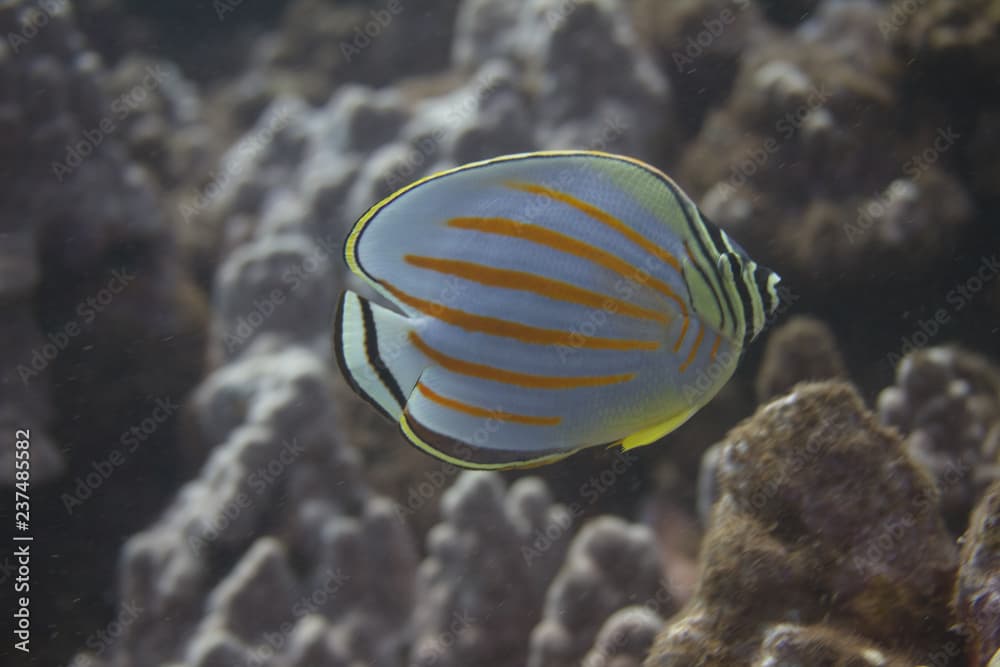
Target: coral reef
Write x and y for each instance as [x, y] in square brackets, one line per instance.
[86, 254]
[699, 44]
[861, 195]
[593, 584]
[947, 37]
[624, 639]
[322, 169]
[221, 152]
[826, 541]
[977, 592]
[31, 57]
[803, 348]
[278, 491]
[946, 402]
[489, 563]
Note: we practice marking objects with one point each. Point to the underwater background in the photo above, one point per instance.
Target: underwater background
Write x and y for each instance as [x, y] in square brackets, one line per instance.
[177, 183]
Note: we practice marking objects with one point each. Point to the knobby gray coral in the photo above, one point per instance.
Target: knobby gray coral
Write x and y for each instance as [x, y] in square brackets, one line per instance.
[172, 226]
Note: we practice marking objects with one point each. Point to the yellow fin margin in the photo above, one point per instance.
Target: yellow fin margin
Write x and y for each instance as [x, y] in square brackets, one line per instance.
[650, 435]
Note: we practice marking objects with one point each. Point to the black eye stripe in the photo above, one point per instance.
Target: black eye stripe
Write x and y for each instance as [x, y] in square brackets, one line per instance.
[745, 299]
[761, 276]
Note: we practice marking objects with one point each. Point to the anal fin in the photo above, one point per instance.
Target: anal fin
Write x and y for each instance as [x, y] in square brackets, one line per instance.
[653, 433]
[372, 348]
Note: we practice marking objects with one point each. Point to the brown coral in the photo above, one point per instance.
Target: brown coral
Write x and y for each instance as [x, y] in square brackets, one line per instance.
[946, 402]
[826, 535]
[977, 593]
[806, 166]
[802, 349]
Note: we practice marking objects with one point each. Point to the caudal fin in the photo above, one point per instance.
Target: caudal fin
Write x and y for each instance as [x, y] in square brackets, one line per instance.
[374, 353]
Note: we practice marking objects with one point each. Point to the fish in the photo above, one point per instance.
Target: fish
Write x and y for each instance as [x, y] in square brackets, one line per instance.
[543, 303]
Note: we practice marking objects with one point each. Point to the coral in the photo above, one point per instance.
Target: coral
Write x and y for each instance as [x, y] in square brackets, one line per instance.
[79, 218]
[699, 44]
[610, 565]
[983, 152]
[803, 348]
[322, 169]
[242, 152]
[613, 98]
[311, 172]
[797, 646]
[93, 298]
[624, 639]
[977, 592]
[157, 113]
[947, 37]
[826, 538]
[489, 563]
[41, 49]
[318, 45]
[282, 286]
[947, 403]
[277, 528]
[861, 194]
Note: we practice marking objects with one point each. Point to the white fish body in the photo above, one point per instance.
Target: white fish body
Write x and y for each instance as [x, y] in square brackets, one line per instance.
[548, 302]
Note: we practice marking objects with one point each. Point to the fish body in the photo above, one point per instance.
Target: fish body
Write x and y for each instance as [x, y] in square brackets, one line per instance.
[547, 302]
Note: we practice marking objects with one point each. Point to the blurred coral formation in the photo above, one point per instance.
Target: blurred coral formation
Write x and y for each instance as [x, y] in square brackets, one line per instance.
[178, 184]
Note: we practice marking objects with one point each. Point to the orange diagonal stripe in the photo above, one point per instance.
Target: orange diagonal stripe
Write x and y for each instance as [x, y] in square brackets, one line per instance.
[567, 244]
[603, 217]
[694, 348]
[522, 332]
[684, 330]
[715, 346]
[482, 412]
[530, 282]
[469, 368]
